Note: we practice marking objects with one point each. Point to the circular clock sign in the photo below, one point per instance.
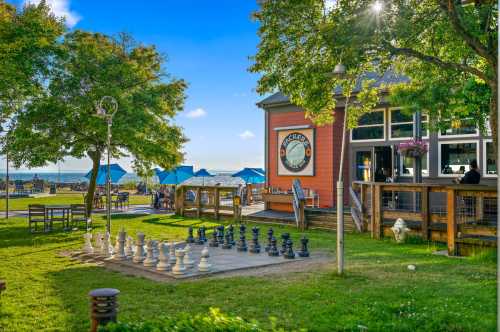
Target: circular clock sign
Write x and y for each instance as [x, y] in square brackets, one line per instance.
[295, 152]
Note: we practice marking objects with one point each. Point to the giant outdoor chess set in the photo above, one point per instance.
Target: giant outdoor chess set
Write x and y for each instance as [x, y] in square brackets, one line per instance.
[195, 257]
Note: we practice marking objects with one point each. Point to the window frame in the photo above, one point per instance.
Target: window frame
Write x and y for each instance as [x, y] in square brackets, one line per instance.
[484, 161]
[389, 126]
[400, 166]
[441, 175]
[383, 110]
[440, 135]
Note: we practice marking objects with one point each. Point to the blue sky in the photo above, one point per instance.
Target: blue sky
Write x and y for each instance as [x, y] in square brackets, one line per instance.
[207, 44]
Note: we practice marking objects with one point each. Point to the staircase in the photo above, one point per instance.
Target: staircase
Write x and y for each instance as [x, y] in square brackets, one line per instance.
[326, 219]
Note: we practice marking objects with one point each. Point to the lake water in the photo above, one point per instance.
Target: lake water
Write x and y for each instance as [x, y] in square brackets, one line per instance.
[63, 177]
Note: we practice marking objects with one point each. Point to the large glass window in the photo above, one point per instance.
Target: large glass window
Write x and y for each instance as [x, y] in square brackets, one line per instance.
[490, 159]
[370, 127]
[406, 168]
[460, 128]
[402, 125]
[455, 157]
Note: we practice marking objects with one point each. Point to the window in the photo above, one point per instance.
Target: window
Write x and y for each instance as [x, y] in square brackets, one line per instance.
[401, 125]
[406, 165]
[465, 127]
[370, 127]
[489, 160]
[454, 157]
[364, 165]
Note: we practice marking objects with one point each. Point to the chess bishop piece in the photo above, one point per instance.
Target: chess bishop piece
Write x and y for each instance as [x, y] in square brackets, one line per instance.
[120, 251]
[129, 250]
[230, 230]
[150, 260]
[242, 243]
[179, 268]
[214, 242]
[163, 264]
[171, 256]
[107, 249]
[204, 265]
[289, 254]
[190, 238]
[273, 250]
[87, 246]
[254, 245]
[188, 262]
[139, 249]
[304, 252]
[284, 238]
[270, 233]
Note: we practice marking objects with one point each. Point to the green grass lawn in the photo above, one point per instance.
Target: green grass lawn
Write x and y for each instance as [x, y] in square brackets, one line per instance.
[66, 198]
[49, 292]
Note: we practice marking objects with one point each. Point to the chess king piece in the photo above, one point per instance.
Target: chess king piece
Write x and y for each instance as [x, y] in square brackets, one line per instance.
[220, 234]
[107, 249]
[129, 250]
[284, 238]
[227, 241]
[242, 243]
[270, 233]
[230, 230]
[273, 250]
[87, 246]
[163, 264]
[190, 238]
[304, 252]
[139, 249]
[179, 268]
[98, 241]
[171, 257]
[204, 234]
[289, 254]
[204, 265]
[120, 251]
[188, 262]
[214, 242]
[254, 245]
[150, 260]
[199, 237]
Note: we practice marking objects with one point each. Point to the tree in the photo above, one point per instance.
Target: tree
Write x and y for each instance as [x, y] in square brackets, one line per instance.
[448, 48]
[62, 122]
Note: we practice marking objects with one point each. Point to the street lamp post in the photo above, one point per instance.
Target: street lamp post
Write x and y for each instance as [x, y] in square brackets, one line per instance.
[108, 114]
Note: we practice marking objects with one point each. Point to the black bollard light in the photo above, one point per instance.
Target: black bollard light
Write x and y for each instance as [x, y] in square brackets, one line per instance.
[103, 307]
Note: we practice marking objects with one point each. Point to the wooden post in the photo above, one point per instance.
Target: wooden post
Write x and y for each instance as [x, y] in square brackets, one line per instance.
[378, 222]
[479, 208]
[425, 212]
[236, 206]
[198, 202]
[372, 216]
[216, 203]
[451, 222]
[179, 201]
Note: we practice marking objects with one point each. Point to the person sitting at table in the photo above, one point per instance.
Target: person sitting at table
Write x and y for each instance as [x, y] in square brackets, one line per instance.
[472, 176]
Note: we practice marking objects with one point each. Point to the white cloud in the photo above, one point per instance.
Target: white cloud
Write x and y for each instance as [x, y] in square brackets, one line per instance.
[247, 134]
[60, 8]
[196, 113]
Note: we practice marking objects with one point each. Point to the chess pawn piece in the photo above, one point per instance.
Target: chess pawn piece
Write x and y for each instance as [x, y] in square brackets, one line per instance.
[171, 257]
[163, 264]
[270, 234]
[204, 265]
[214, 242]
[87, 246]
[273, 250]
[190, 238]
[107, 249]
[254, 245]
[188, 262]
[284, 238]
[242, 243]
[139, 249]
[120, 250]
[204, 234]
[227, 241]
[230, 230]
[289, 254]
[179, 268]
[98, 241]
[150, 260]
[129, 250]
[220, 234]
[199, 237]
[304, 252]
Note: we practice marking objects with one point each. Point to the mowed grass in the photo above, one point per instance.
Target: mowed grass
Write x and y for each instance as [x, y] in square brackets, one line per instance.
[48, 292]
[21, 204]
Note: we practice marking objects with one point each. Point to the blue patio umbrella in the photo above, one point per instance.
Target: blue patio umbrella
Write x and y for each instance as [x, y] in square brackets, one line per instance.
[116, 173]
[202, 172]
[176, 176]
[251, 175]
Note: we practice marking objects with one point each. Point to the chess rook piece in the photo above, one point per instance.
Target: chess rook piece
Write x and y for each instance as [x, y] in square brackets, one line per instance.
[230, 230]
[179, 268]
[214, 242]
[171, 257]
[139, 249]
[289, 254]
[107, 249]
[204, 234]
[270, 233]
[303, 252]
[163, 264]
[120, 251]
[188, 262]
[204, 265]
[284, 238]
[87, 246]
[150, 260]
[254, 245]
[199, 237]
[242, 243]
[227, 241]
[129, 250]
[273, 250]
[190, 238]
[220, 234]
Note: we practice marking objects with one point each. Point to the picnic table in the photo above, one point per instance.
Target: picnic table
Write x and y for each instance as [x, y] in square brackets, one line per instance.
[59, 212]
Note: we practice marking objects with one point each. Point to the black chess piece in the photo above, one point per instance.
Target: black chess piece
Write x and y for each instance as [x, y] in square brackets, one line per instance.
[230, 230]
[284, 238]
[289, 254]
[220, 234]
[273, 249]
[304, 252]
[203, 234]
[242, 243]
[270, 234]
[227, 241]
[214, 242]
[199, 236]
[190, 238]
[255, 246]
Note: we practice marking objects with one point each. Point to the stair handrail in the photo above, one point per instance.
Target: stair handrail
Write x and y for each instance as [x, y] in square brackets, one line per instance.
[356, 209]
[298, 203]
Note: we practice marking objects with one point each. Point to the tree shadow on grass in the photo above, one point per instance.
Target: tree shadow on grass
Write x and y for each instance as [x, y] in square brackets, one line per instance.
[19, 236]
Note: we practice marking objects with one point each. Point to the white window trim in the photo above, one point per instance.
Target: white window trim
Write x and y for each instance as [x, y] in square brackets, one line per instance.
[409, 176]
[484, 161]
[374, 125]
[458, 136]
[441, 175]
[389, 126]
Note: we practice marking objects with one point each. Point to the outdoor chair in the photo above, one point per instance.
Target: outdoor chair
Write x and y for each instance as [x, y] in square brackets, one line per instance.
[122, 199]
[37, 214]
[79, 215]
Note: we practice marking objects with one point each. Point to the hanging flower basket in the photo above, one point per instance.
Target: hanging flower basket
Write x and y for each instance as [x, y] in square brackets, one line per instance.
[413, 148]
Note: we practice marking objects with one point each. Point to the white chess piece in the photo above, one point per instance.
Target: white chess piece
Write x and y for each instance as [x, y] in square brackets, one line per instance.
[150, 260]
[163, 264]
[106, 245]
[120, 249]
[188, 262]
[156, 249]
[204, 265]
[129, 251]
[87, 247]
[179, 268]
[98, 240]
[139, 249]
[171, 258]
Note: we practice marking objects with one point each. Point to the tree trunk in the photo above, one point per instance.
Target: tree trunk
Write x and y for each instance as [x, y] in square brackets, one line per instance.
[96, 160]
[494, 117]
